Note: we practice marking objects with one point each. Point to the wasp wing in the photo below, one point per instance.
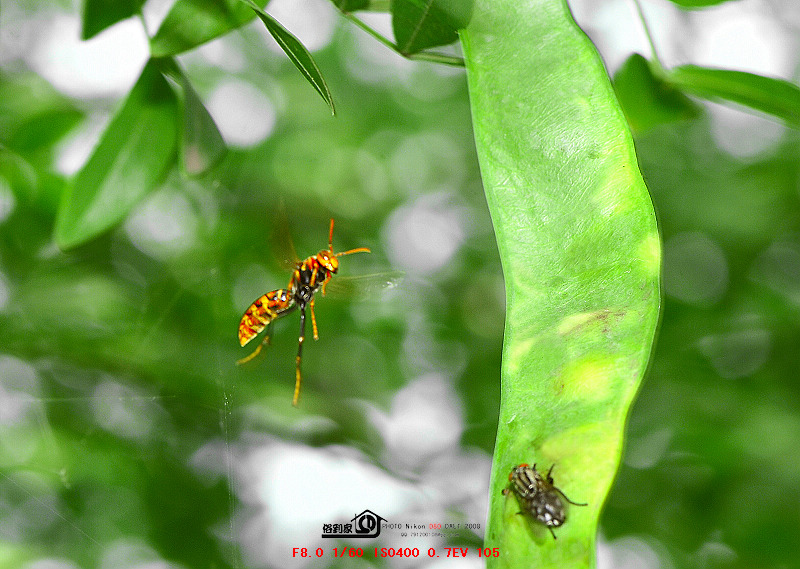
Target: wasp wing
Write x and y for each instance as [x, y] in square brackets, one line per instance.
[264, 310]
[363, 286]
[281, 240]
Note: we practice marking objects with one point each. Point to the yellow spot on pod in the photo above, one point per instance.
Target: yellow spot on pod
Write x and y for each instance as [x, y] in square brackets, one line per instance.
[567, 449]
[650, 253]
[612, 196]
[584, 321]
[518, 352]
[591, 377]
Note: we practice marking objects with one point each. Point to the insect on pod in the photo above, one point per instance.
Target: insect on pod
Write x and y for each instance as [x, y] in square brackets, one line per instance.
[538, 496]
[308, 277]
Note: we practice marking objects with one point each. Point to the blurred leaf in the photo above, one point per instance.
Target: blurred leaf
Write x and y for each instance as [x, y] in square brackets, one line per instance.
[580, 249]
[201, 144]
[297, 52]
[18, 175]
[44, 129]
[101, 14]
[132, 157]
[646, 100]
[379, 5]
[698, 3]
[458, 12]
[351, 5]
[33, 115]
[772, 96]
[420, 24]
[30, 185]
[191, 23]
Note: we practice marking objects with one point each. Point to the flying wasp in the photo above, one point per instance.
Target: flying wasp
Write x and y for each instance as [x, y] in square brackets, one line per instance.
[538, 496]
[308, 277]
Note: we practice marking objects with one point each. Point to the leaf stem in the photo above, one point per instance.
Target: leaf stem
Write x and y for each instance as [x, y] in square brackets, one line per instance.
[433, 57]
[648, 34]
[370, 31]
[140, 16]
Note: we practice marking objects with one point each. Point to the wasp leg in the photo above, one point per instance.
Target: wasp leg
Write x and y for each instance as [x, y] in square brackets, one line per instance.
[314, 320]
[552, 532]
[298, 375]
[325, 284]
[264, 342]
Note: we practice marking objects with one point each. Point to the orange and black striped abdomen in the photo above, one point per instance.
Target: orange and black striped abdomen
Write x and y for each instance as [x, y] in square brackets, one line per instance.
[263, 311]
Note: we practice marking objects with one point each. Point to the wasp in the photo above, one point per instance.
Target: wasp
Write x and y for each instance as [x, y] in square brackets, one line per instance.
[538, 496]
[307, 278]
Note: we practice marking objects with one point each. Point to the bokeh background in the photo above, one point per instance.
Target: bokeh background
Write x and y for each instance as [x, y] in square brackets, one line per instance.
[128, 436]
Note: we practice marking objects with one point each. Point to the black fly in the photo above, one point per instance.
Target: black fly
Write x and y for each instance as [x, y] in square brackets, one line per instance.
[538, 496]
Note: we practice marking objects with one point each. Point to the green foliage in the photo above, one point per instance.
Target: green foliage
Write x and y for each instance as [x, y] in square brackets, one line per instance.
[651, 96]
[420, 24]
[299, 55]
[162, 114]
[351, 5]
[773, 96]
[33, 115]
[131, 159]
[691, 4]
[202, 146]
[117, 359]
[101, 14]
[191, 23]
[715, 425]
[648, 100]
[132, 346]
[581, 258]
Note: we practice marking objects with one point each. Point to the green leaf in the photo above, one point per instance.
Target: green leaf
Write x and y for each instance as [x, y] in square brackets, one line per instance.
[379, 5]
[33, 115]
[297, 53]
[101, 14]
[580, 250]
[351, 5]
[17, 175]
[690, 4]
[191, 23]
[132, 157]
[772, 96]
[647, 100]
[45, 129]
[420, 24]
[201, 144]
[458, 12]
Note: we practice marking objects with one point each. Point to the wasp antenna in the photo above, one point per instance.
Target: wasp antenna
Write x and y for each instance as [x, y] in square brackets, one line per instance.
[330, 237]
[358, 250]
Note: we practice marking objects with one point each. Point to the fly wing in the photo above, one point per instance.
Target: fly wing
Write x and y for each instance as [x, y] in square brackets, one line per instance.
[264, 310]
